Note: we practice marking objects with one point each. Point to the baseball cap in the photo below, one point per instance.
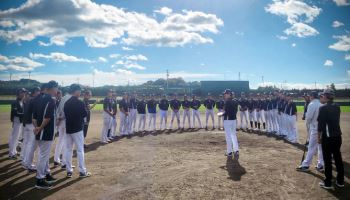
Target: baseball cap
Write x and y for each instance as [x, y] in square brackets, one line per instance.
[327, 92]
[228, 91]
[51, 84]
[21, 90]
[74, 87]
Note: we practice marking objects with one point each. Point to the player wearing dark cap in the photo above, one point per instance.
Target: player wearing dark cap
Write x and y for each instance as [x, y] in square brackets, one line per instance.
[28, 128]
[88, 108]
[163, 112]
[107, 116]
[230, 113]
[329, 136]
[133, 112]
[152, 113]
[44, 127]
[17, 111]
[195, 105]
[209, 104]
[291, 111]
[141, 110]
[113, 122]
[243, 111]
[175, 105]
[220, 106]
[186, 104]
[75, 113]
[124, 114]
[252, 112]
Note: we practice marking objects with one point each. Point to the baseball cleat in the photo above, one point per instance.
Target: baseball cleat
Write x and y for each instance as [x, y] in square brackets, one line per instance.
[50, 179]
[338, 184]
[303, 168]
[42, 184]
[228, 154]
[236, 156]
[84, 175]
[69, 174]
[319, 169]
[327, 187]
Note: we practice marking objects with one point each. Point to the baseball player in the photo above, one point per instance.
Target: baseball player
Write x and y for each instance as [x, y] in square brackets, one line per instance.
[75, 112]
[282, 111]
[209, 104]
[186, 104]
[61, 128]
[26, 99]
[163, 107]
[259, 111]
[175, 107]
[133, 112]
[17, 122]
[107, 117]
[230, 113]
[152, 113]
[312, 125]
[124, 115]
[243, 111]
[113, 121]
[274, 113]
[291, 111]
[88, 108]
[195, 105]
[220, 106]
[141, 110]
[268, 114]
[252, 113]
[44, 130]
[28, 129]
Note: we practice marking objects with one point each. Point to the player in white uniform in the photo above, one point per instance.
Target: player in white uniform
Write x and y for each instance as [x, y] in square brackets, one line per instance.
[195, 105]
[312, 125]
[186, 104]
[163, 112]
[220, 106]
[175, 105]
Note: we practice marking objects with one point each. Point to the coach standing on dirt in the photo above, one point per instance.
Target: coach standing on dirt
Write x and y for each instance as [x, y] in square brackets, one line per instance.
[329, 135]
[75, 112]
[230, 117]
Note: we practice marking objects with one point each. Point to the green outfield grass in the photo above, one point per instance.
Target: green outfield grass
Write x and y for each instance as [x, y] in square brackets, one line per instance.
[99, 107]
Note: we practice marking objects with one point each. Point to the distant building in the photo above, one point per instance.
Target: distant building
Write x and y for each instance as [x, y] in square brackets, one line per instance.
[217, 87]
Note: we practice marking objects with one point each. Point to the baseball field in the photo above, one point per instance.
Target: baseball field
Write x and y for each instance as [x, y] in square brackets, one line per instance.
[179, 165]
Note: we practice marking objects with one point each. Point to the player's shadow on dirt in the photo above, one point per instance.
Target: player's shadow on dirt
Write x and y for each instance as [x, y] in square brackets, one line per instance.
[234, 169]
[3, 146]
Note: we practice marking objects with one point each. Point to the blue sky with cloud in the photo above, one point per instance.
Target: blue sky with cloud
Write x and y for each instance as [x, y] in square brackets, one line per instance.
[290, 43]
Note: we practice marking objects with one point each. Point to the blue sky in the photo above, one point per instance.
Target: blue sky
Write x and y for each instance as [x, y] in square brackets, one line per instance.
[291, 43]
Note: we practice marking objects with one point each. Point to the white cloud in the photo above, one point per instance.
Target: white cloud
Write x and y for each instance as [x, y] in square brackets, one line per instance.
[114, 55]
[164, 11]
[138, 57]
[116, 77]
[337, 24]
[328, 63]
[294, 45]
[127, 48]
[342, 2]
[347, 57]
[289, 86]
[102, 59]
[301, 30]
[298, 14]
[343, 43]
[18, 63]
[58, 57]
[102, 25]
[282, 37]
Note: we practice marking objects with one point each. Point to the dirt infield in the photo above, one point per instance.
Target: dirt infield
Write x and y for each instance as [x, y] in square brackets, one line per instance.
[179, 165]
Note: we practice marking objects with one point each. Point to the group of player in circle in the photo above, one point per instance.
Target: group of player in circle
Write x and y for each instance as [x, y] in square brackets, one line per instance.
[48, 114]
[272, 113]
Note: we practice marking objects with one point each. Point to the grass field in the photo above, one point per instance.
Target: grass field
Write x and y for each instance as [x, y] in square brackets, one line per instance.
[98, 107]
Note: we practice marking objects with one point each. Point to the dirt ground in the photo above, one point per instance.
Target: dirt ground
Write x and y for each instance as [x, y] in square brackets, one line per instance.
[179, 165]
